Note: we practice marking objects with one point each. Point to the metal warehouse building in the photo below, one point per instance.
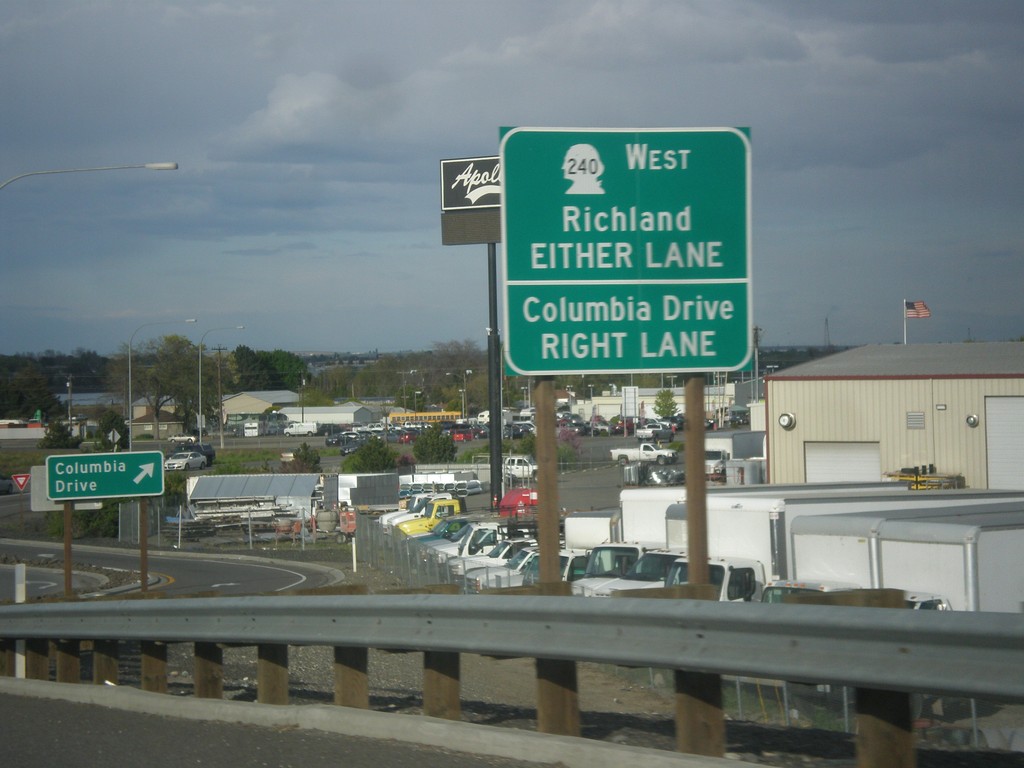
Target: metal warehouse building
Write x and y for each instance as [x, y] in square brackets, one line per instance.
[957, 409]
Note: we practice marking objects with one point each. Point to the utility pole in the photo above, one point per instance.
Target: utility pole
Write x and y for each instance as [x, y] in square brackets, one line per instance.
[220, 397]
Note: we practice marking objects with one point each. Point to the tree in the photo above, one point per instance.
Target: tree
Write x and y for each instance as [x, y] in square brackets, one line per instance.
[434, 447]
[28, 393]
[372, 456]
[269, 370]
[304, 460]
[164, 371]
[58, 435]
[665, 404]
[110, 422]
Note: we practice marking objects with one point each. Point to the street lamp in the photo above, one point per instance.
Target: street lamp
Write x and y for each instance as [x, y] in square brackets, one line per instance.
[405, 402]
[415, 397]
[131, 342]
[148, 166]
[465, 386]
[199, 409]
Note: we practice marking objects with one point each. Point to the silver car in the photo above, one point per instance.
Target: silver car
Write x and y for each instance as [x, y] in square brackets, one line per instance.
[185, 460]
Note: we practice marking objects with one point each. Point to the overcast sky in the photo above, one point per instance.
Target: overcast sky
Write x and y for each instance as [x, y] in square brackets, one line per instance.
[887, 145]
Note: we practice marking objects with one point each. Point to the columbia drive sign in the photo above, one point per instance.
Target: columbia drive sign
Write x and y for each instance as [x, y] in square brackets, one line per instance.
[626, 250]
[104, 475]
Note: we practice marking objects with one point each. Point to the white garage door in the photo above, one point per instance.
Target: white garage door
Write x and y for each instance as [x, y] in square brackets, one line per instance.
[842, 462]
[1004, 438]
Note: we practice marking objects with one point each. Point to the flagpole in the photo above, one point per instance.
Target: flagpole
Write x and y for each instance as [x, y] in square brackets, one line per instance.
[904, 322]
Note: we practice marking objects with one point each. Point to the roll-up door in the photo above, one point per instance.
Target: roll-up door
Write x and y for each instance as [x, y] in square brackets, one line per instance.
[842, 462]
[1004, 439]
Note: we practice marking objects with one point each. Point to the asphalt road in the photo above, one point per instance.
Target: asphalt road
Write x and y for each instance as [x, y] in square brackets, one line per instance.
[173, 573]
[41, 733]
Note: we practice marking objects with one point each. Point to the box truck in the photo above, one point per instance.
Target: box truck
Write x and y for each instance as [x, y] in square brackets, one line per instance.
[759, 526]
[962, 558]
[643, 524]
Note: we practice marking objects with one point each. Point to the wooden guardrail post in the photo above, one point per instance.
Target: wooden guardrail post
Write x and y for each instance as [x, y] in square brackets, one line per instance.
[700, 718]
[351, 679]
[441, 685]
[37, 659]
[272, 674]
[7, 647]
[351, 664]
[558, 697]
[885, 734]
[558, 700]
[69, 661]
[154, 666]
[105, 655]
[209, 671]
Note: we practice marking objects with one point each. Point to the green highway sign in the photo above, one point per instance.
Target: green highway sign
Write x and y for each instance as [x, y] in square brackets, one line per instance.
[626, 250]
[104, 475]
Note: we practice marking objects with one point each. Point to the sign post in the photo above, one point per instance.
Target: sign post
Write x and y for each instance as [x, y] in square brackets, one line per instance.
[625, 250]
[87, 476]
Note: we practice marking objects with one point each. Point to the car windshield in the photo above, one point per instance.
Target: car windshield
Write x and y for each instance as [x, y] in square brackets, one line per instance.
[679, 573]
[499, 549]
[520, 557]
[610, 561]
[652, 566]
[181, 455]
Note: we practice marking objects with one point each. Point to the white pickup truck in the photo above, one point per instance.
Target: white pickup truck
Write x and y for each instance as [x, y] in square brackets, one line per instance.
[645, 452]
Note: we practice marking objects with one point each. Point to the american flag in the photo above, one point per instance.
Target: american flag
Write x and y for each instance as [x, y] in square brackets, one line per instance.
[917, 309]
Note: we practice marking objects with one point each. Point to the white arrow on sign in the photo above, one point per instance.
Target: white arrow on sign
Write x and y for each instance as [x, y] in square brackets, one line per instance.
[145, 470]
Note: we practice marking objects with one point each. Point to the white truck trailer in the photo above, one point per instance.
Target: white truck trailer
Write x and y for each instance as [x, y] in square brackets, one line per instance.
[588, 528]
[643, 509]
[962, 558]
[759, 527]
[643, 524]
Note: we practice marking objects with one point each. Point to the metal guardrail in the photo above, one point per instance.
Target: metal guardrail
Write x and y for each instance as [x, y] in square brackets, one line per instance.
[960, 654]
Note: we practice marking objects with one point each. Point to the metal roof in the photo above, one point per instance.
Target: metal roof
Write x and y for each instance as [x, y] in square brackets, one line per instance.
[253, 486]
[966, 360]
[274, 396]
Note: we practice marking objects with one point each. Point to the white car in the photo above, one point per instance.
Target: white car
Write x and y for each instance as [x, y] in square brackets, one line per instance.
[185, 460]
[182, 439]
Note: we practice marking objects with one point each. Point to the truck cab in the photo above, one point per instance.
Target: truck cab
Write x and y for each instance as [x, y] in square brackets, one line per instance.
[521, 469]
[777, 591]
[605, 563]
[438, 510]
[738, 580]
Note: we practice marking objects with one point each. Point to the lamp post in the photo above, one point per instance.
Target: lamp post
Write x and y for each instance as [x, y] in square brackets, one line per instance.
[148, 166]
[415, 398]
[405, 403]
[199, 407]
[131, 342]
[465, 386]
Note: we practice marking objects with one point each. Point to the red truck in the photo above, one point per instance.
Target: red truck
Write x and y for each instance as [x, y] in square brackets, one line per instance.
[518, 502]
